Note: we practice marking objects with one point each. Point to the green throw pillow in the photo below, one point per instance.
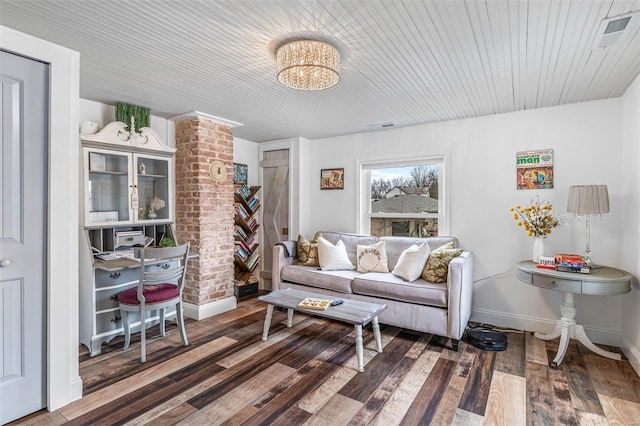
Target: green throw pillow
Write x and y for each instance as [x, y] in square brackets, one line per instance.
[437, 267]
[307, 251]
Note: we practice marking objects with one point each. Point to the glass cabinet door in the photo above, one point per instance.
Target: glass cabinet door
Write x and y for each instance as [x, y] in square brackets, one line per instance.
[154, 190]
[108, 182]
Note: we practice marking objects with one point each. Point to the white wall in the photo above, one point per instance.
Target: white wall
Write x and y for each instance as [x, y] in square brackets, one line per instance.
[586, 139]
[246, 152]
[630, 189]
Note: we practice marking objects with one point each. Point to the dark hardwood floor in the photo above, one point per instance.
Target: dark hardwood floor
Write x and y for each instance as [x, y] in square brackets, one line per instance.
[307, 375]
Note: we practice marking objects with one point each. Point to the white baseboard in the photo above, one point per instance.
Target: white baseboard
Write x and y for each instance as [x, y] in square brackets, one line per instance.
[542, 325]
[632, 353]
[200, 312]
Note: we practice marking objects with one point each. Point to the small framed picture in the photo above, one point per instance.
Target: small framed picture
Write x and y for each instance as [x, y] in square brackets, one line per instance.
[97, 162]
[332, 179]
[240, 172]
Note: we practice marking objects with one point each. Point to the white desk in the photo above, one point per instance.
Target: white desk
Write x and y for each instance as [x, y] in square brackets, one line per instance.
[602, 281]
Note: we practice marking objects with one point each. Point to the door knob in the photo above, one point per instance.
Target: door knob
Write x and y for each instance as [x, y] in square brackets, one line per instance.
[5, 263]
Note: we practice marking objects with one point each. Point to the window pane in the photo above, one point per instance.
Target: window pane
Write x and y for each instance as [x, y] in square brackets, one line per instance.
[418, 227]
[411, 189]
[404, 197]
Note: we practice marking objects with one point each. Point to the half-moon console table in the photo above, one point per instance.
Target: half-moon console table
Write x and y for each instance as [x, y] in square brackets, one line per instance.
[602, 281]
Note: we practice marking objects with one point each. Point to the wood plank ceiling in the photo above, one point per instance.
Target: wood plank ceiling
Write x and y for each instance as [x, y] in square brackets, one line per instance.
[403, 62]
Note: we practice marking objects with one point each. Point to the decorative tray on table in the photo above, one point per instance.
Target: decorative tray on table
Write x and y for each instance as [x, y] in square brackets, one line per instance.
[315, 303]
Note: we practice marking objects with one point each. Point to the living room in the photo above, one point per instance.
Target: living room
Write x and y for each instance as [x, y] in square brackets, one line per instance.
[594, 142]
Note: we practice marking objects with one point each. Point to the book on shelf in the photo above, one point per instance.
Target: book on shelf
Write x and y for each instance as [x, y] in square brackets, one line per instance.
[244, 191]
[241, 211]
[315, 303]
[240, 232]
[253, 260]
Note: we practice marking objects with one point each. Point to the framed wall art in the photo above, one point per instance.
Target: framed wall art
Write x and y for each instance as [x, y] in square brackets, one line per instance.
[534, 169]
[332, 179]
[240, 172]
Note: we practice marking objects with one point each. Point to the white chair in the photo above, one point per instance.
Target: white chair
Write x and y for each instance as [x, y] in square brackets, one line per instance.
[162, 271]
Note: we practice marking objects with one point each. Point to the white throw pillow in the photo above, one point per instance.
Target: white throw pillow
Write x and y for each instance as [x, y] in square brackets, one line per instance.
[411, 262]
[333, 258]
[372, 258]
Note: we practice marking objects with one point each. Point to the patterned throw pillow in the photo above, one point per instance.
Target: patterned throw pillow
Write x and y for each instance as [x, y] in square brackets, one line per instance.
[372, 258]
[307, 251]
[437, 267]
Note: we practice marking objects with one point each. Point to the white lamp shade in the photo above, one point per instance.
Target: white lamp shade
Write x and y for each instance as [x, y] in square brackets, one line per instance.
[588, 200]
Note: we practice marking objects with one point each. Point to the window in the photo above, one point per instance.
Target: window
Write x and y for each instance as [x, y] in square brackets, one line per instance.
[403, 197]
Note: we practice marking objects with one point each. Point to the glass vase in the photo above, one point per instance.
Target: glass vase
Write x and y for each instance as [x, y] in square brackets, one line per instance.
[538, 248]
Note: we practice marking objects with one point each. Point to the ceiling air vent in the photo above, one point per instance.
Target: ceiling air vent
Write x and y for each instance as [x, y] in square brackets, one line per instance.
[613, 30]
[379, 126]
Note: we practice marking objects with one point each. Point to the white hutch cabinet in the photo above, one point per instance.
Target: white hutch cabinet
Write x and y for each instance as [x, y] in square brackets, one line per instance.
[128, 201]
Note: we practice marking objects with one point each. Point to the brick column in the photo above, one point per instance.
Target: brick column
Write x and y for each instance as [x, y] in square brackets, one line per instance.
[204, 208]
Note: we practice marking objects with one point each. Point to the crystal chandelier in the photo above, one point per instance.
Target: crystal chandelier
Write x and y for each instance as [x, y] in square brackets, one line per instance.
[308, 65]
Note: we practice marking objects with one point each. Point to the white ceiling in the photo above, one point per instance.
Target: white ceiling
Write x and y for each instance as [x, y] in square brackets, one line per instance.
[403, 62]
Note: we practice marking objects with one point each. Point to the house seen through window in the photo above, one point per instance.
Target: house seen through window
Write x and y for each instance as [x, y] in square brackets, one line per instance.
[403, 199]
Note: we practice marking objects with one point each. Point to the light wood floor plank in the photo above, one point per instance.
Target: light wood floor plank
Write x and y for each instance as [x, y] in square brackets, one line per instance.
[536, 349]
[507, 404]
[339, 410]
[315, 400]
[619, 411]
[590, 419]
[466, 418]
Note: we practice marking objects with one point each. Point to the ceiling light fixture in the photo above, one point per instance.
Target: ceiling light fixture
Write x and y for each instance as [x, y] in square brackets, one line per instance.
[308, 65]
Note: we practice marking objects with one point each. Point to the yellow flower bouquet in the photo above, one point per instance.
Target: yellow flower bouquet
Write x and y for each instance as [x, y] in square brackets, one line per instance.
[538, 219]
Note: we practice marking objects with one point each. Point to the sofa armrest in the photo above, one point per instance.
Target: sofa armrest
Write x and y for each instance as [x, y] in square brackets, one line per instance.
[280, 259]
[460, 288]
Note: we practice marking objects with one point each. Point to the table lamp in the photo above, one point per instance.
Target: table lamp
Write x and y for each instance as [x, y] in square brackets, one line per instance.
[588, 201]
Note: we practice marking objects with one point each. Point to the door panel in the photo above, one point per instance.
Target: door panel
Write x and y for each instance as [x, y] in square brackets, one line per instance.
[275, 216]
[23, 200]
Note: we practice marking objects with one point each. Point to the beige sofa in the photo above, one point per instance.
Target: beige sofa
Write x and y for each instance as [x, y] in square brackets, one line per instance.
[441, 309]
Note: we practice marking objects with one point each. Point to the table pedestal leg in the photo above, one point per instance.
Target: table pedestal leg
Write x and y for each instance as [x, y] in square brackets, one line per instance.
[567, 329]
[267, 323]
[376, 333]
[359, 347]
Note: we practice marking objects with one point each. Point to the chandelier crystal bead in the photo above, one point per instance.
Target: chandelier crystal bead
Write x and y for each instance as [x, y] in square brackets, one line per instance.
[308, 65]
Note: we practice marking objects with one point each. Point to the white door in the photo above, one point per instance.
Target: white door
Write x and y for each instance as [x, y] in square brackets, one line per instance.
[275, 216]
[23, 201]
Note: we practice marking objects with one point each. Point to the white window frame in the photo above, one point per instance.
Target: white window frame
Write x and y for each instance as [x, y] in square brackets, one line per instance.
[364, 167]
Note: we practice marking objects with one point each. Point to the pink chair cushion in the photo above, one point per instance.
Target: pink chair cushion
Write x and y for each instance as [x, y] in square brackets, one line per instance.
[153, 293]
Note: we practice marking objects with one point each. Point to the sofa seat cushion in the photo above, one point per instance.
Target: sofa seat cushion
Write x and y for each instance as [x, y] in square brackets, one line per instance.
[339, 281]
[389, 286]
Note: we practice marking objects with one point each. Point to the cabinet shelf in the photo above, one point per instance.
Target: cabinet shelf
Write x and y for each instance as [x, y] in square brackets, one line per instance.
[108, 173]
[151, 176]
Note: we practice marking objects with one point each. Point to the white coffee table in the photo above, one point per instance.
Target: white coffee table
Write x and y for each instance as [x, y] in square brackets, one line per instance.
[351, 311]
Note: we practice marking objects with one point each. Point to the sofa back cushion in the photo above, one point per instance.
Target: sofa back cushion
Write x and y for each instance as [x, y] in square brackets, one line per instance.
[396, 245]
[350, 241]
